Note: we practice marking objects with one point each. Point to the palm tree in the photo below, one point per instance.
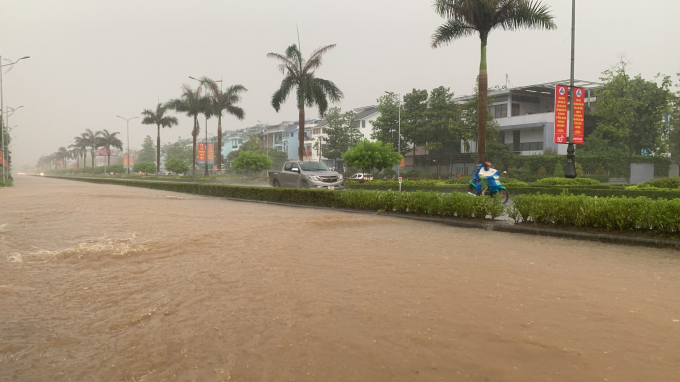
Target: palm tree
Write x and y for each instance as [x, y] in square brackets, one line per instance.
[159, 119]
[62, 154]
[80, 144]
[109, 140]
[91, 139]
[224, 101]
[191, 103]
[468, 17]
[310, 90]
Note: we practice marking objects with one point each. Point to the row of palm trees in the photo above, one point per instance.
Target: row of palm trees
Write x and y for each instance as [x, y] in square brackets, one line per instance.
[463, 18]
[87, 141]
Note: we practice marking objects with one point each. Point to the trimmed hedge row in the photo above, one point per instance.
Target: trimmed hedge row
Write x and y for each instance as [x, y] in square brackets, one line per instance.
[631, 214]
[422, 203]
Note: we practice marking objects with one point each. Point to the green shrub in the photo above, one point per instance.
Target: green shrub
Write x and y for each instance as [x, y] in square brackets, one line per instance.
[599, 178]
[566, 182]
[631, 214]
[143, 167]
[116, 169]
[513, 183]
[542, 171]
[421, 203]
[579, 170]
[559, 171]
[600, 170]
[461, 180]
[671, 183]
[388, 173]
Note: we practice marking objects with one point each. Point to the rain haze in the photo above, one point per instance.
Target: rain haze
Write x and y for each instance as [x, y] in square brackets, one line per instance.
[93, 60]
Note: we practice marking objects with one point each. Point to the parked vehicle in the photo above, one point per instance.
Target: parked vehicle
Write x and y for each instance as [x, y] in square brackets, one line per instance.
[295, 174]
[361, 177]
[495, 188]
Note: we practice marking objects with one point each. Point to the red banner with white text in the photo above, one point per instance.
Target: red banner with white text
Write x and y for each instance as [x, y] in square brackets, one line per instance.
[561, 103]
[211, 153]
[201, 153]
[579, 115]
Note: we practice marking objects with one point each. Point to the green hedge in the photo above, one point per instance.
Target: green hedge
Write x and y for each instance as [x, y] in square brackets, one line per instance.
[637, 214]
[553, 181]
[596, 191]
[673, 183]
[421, 203]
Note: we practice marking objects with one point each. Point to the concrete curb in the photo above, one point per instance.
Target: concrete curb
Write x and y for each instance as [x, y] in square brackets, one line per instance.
[486, 225]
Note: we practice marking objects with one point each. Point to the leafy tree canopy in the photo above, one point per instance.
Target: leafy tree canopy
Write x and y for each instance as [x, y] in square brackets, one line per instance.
[251, 162]
[178, 151]
[148, 151]
[144, 167]
[176, 165]
[368, 155]
[386, 126]
[342, 132]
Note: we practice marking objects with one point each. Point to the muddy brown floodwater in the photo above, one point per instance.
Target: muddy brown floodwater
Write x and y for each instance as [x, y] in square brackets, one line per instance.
[113, 283]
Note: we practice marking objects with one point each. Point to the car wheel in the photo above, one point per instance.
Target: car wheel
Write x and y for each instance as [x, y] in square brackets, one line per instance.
[303, 184]
[276, 183]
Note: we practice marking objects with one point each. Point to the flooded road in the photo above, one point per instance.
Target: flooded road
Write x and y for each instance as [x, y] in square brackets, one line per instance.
[112, 283]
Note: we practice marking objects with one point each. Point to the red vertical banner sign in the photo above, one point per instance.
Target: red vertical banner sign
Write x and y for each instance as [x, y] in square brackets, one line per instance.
[2, 156]
[125, 161]
[579, 115]
[201, 153]
[561, 103]
[211, 153]
[132, 160]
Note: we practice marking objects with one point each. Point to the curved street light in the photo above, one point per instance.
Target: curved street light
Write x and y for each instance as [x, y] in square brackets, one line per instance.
[127, 123]
[2, 111]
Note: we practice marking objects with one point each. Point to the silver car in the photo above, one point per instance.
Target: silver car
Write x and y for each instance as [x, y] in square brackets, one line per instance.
[295, 174]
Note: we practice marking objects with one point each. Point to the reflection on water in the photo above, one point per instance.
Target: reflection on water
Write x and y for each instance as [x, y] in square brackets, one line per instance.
[108, 283]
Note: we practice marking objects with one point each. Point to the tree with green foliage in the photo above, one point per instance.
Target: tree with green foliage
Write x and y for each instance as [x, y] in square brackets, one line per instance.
[115, 169]
[178, 166]
[109, 140]
[300, 74]
[157, 117]
[368, 155]
[91, 139]
[414, 127]
[224, 101]
[342, 131]
[631, 111]
[251, 162]
[440, 111]
[500, 155]
[192, 103]
[148, 151]
[385, 128]
[468, 17]
[178, 151]
[144, 167]
[467, 127]
[674, 124]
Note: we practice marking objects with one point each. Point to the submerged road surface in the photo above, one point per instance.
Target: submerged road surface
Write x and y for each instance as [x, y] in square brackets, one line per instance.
[113, 283]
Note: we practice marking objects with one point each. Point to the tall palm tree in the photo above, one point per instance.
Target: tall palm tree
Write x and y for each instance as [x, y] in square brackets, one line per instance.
[310, 90]
[62, 154]
[109, 140]
[192, 103]
[224, 101]
[468, 17]
[91, 140]
[74, 152]
[159, 119]
[81, 144]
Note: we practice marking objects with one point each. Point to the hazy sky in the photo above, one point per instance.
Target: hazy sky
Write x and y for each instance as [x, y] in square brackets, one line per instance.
[94, 59]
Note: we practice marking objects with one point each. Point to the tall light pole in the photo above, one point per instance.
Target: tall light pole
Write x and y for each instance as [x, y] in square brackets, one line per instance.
[206, 128]
[399, 135]
[127, 123]
[570, 171]
[2, 111]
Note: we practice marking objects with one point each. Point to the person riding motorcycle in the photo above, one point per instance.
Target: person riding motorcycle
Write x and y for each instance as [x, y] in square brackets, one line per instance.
[486, 177]
[475, 179]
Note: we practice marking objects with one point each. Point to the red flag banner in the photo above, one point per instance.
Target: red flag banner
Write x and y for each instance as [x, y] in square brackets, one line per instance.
[579, 115]
[2, 157]
[201, 153]
[561, 101]
[125, 164]
[211, 153]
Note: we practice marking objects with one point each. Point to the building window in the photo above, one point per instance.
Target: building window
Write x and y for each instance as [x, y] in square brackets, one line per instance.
[515, 109]
[531, 146]
[499, 111]
[363, 123]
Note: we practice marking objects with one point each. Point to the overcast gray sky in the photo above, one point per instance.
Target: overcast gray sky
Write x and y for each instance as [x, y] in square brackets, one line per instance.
[94, 59]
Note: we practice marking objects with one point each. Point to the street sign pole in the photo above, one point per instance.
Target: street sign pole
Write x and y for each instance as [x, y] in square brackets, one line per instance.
[570, 171]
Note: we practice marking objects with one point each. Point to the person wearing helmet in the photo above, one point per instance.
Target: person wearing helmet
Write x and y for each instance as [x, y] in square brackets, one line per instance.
[486, 175]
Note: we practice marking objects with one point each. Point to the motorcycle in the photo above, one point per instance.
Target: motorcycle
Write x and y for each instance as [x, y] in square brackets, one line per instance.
[495, 188]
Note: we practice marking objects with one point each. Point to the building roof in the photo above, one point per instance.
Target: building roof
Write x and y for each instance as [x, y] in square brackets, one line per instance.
[546, 89]
[367, 111]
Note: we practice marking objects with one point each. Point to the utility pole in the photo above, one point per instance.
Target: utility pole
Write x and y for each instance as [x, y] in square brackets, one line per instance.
[570, 171]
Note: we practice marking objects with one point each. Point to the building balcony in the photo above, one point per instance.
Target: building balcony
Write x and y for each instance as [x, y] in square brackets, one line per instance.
[526, 120]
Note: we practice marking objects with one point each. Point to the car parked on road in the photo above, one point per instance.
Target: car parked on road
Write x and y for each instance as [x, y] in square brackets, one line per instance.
[361, 177]
[297, 174]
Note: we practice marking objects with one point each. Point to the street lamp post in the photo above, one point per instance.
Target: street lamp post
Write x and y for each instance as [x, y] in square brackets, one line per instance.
[570, 171]
[399, 135]
[2, 111]
[127, 123]
[9, 129]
